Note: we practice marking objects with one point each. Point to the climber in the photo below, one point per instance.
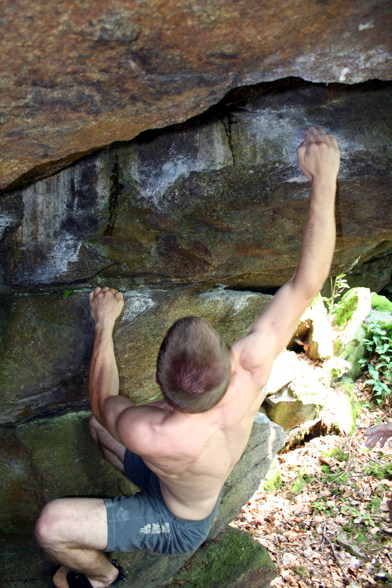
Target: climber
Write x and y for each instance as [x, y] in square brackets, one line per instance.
[181, 449]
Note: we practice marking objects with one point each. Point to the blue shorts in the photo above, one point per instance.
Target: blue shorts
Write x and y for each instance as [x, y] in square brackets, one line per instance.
[142, 521]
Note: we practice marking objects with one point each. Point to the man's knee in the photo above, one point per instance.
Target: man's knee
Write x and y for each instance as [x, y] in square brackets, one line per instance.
[50, 525]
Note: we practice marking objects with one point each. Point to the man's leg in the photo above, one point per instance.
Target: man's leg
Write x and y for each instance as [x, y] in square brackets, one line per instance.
[73, 531]
[110, 447]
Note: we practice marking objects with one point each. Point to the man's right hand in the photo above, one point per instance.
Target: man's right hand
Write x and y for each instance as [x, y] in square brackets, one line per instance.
[106, 305]
[379, 433]
[319, 156]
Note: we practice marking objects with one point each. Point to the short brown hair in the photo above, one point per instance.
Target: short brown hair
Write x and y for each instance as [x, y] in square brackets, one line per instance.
[193, 366]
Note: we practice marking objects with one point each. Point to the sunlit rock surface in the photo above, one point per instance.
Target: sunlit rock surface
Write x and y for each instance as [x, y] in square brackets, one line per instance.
[80, 76]
[312, 393]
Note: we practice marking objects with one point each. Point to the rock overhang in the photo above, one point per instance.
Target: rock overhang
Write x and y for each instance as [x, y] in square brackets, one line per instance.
[82, 77]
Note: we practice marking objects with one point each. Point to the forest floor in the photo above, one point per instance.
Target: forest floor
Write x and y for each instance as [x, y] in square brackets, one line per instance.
[328, 524]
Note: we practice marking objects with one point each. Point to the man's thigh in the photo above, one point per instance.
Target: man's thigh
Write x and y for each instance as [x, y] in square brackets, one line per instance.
[79, 522]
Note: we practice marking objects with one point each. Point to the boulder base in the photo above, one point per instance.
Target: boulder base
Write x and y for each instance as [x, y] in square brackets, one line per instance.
[53, 458]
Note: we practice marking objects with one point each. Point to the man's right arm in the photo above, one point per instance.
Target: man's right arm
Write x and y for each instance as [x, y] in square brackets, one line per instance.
[318, 157]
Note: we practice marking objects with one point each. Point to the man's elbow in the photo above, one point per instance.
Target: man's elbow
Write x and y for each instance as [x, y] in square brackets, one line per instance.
[99, 416]
[98, 410]
[312, 285]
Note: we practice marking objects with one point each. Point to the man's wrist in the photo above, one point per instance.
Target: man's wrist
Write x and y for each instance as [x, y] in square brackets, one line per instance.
[324, 184]
[104, 325]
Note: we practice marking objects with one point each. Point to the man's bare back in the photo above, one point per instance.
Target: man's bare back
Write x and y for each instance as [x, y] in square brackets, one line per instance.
[202, 449]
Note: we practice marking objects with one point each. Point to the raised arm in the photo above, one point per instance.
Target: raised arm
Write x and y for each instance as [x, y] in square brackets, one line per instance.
[318, 157]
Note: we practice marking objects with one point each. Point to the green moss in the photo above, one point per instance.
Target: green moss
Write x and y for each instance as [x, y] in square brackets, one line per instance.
[381, 303]
[346, 308]
[349, 389]
[337, 453]
[299, 483]
[302, 572]
[221, 562]
[273, 479]
[379, 471]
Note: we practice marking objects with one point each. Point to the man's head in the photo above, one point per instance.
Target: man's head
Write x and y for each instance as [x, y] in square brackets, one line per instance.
[193, 366]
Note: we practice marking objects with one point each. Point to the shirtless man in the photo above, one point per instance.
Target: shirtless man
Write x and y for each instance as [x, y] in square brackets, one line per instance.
[180, 450]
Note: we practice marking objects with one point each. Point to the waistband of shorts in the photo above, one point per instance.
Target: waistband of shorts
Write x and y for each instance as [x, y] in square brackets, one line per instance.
[190, 522]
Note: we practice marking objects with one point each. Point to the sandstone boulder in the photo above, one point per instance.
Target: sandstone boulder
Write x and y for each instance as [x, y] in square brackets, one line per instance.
[80, 76]
[310, 394]
[233, 560]
[314, 331]
[285, 369]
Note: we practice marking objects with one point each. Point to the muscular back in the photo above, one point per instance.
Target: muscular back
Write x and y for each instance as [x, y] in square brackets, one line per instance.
[195, 453]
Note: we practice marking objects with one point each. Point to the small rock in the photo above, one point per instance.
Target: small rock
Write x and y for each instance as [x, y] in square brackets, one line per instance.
[288, 559]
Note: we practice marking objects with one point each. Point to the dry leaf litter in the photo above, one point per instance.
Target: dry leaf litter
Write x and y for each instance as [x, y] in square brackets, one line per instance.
[329, 523]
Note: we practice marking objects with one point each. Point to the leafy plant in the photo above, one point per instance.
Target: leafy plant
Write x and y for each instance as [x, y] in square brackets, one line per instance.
[379, 471]
[337, 286]
[324, 506]
[300, 482]
[378, 364]
[360, 516]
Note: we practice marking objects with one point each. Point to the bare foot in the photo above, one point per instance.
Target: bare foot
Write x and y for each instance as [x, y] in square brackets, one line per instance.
[60, 577]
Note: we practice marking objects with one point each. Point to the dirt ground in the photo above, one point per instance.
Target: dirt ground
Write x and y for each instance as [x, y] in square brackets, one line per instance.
[329, 523]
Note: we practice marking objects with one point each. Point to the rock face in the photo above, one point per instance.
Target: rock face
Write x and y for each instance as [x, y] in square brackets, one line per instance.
[218, 200]
[47, 344]
[185, 220]
[167, 217]
[81, 76]
[233, 560]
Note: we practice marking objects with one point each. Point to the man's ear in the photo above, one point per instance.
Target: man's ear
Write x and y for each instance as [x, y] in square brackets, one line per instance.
[155, 378]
